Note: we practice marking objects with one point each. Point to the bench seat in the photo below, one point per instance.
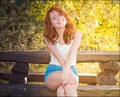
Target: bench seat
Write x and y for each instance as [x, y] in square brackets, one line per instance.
[35, 90]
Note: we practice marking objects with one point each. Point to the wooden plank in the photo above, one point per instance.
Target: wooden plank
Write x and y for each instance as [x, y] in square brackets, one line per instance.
[99, 91]
[39, 77]
[29, 90]
[32, 90]
[87, 78]
[43, 57]
[38, 57]
[98, 56]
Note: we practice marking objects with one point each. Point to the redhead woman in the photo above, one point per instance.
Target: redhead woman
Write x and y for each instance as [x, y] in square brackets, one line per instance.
[62, 40]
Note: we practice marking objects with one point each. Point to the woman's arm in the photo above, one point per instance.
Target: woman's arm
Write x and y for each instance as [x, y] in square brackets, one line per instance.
[73, 49]
[66, 71]
[55, 52]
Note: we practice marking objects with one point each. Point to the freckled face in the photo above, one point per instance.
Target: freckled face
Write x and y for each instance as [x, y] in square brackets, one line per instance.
[57, 20]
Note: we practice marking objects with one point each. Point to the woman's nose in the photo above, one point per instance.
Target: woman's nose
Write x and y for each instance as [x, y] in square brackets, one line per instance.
[59, 19]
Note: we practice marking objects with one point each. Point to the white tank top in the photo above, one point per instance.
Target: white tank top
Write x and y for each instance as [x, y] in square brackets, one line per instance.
[63, 50]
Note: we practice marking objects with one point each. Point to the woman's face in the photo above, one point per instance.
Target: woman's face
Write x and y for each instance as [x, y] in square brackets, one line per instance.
[57, 20]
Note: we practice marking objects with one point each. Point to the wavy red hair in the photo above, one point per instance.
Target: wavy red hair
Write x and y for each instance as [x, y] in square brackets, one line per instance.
[50, 33]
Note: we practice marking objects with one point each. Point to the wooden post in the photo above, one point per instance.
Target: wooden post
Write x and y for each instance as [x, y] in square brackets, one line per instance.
[19, 73]
[108, 73]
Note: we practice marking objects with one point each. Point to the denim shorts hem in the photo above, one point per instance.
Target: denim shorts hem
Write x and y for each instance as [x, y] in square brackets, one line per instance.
[53, 68]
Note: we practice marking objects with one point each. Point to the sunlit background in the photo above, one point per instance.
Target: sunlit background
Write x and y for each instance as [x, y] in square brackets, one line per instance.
[21, 27]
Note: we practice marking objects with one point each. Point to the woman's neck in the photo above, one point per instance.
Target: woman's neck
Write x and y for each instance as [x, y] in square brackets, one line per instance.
[60, 31]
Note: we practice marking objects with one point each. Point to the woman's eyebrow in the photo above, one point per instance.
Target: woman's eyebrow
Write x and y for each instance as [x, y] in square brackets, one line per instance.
[53, 15]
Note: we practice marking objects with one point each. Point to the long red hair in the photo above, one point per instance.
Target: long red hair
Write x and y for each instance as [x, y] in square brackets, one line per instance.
[50, 33]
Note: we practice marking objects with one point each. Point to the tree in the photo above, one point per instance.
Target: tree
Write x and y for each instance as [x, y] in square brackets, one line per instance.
[22, 23]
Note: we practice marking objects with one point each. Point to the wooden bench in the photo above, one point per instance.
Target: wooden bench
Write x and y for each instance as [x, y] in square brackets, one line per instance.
[33, 90]
[43, 57]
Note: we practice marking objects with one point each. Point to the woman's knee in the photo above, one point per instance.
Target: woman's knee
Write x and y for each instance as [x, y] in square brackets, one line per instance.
[71, 85]
[71, 89]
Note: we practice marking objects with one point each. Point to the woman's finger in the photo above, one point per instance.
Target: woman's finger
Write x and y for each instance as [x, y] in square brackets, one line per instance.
[65, 82]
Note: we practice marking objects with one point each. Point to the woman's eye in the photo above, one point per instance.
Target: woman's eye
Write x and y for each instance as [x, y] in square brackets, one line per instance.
[53, 18]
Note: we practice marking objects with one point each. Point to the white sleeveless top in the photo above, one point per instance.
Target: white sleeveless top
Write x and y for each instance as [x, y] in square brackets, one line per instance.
[63, 50]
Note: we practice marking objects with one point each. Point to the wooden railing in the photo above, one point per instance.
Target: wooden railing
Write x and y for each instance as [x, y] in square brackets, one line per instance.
[20, 71]
[43, 57]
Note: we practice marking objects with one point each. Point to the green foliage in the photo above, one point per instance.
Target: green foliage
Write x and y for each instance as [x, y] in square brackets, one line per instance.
[118, 78]
[15, 25]
[97, 20]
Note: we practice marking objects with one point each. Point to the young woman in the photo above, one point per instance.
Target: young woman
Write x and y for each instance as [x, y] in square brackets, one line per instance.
[63, 40]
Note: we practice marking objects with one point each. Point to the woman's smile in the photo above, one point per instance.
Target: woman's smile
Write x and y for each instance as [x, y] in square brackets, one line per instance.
[57, 19]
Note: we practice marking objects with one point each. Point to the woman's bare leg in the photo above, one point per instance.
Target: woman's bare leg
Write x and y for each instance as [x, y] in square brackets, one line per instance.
[54, 80]
[60, 91]
[70, 89]
[71, 86]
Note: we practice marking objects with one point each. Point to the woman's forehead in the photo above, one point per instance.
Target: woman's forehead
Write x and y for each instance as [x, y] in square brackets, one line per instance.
[52, 13]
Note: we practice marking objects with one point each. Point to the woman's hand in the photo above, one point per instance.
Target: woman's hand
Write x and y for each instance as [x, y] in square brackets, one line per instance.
[68, 76]
[65, 75]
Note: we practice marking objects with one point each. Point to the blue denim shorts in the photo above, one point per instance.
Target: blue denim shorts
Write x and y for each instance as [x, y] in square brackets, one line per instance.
[52, 68]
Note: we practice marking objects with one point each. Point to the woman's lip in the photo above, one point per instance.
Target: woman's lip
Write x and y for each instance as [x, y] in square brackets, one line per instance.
[59, 23]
